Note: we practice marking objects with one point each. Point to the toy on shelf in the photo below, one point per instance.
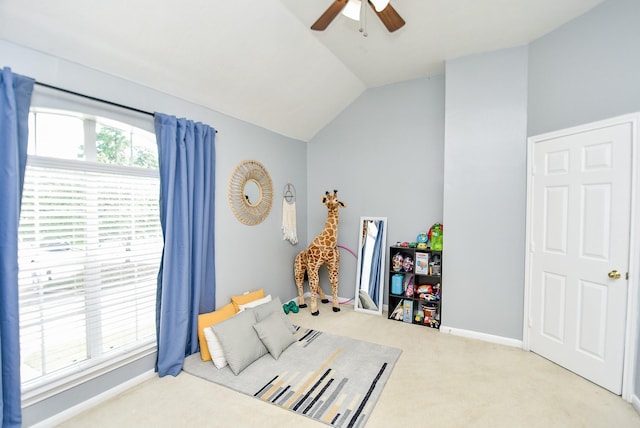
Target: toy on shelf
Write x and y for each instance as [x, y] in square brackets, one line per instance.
[425, 292]
[435, 235]
[409, 289]
[435, 266]
[422, 239]
[407, 311]
[397, 262]
[422, 263]
[407, 264]
[396, 284]
[429, 314]
[398, 311]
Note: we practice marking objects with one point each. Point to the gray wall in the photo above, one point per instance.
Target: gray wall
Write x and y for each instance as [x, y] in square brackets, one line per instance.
[485, 193]
[48, 408]
[247, 257]
[585, 71]
[384, 155]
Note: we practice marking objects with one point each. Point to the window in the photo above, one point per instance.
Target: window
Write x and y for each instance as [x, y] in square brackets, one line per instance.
[90, 244]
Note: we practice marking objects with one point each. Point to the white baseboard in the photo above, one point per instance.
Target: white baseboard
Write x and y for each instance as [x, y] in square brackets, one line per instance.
[482, 336]
[635, 402]
[307, 294]
[342, 300]
[94, 401]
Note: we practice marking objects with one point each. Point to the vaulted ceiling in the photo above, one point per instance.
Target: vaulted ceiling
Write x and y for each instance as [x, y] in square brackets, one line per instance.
[259, 61]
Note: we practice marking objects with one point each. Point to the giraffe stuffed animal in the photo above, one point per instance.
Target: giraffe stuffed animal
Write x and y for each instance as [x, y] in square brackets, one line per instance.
[322, 251]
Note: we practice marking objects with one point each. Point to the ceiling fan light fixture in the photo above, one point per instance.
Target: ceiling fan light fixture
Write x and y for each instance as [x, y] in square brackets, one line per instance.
[356, 10]
[352, 10]
[380, 5]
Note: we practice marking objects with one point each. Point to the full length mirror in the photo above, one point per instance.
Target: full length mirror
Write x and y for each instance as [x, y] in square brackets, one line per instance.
[370, 268]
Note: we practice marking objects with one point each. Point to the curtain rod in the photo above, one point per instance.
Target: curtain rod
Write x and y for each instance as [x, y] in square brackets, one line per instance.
[100, 100]
[93, 98]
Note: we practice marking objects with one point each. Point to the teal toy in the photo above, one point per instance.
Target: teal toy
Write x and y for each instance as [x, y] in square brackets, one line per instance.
[292, 306]
[422, 239]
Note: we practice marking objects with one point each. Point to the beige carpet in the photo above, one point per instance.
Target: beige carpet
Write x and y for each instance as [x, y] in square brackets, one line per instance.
[440, 380]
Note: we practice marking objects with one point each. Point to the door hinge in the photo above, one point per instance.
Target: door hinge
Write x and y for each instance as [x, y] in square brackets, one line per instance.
[627, 276]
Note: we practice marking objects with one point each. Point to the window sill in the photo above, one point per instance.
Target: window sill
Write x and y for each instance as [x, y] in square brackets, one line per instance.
[67, 379]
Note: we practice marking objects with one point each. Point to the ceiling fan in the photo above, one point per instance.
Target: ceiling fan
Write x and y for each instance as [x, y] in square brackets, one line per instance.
[387, 14]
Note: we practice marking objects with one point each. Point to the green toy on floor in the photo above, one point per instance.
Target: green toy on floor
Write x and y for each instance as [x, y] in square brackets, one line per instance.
[292, 306]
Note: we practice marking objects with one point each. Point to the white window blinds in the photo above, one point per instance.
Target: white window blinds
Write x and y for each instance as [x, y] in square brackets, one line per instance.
[89, 253]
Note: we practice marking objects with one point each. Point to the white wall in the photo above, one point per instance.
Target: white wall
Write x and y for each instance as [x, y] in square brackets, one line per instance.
[384, 156]
[485, 193]
[247, 257]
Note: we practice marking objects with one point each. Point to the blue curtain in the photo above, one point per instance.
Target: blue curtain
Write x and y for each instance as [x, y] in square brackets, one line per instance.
[186, 280]
[15, 98]
[374, 279]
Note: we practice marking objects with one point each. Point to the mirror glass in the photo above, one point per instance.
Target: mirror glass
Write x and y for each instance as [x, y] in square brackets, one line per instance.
[370, 267]
[252, 192]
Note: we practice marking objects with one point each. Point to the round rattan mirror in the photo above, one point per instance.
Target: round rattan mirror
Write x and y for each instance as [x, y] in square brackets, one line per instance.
[250, 192]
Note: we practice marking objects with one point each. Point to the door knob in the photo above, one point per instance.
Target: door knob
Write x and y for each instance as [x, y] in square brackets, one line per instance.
[614, 274]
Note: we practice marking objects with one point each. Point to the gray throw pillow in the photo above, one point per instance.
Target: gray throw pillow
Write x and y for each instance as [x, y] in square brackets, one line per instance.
[274, 306]
[239, 340]
[275, 334]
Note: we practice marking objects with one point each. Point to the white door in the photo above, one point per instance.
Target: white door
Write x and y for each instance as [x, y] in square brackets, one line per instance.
[579, 236]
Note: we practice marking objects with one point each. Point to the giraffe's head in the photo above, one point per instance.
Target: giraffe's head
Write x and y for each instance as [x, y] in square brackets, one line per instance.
[331, 201]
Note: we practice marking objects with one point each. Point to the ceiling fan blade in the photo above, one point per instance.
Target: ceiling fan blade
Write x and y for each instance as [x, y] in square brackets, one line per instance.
[326, 18]
[389, 17]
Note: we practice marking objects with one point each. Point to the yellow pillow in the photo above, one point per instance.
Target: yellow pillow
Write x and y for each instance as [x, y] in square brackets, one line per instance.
[246, 298]
[209, 319]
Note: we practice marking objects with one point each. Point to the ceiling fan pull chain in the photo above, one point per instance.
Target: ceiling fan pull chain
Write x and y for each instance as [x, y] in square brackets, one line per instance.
[363, 17]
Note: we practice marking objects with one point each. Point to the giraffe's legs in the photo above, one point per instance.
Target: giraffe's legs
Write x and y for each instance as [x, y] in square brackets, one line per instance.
[323, 297]
[334, 267]
[299, 269]
[314, 279]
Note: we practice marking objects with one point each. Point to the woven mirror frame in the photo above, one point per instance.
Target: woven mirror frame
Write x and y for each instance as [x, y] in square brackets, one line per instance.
[250, 192]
